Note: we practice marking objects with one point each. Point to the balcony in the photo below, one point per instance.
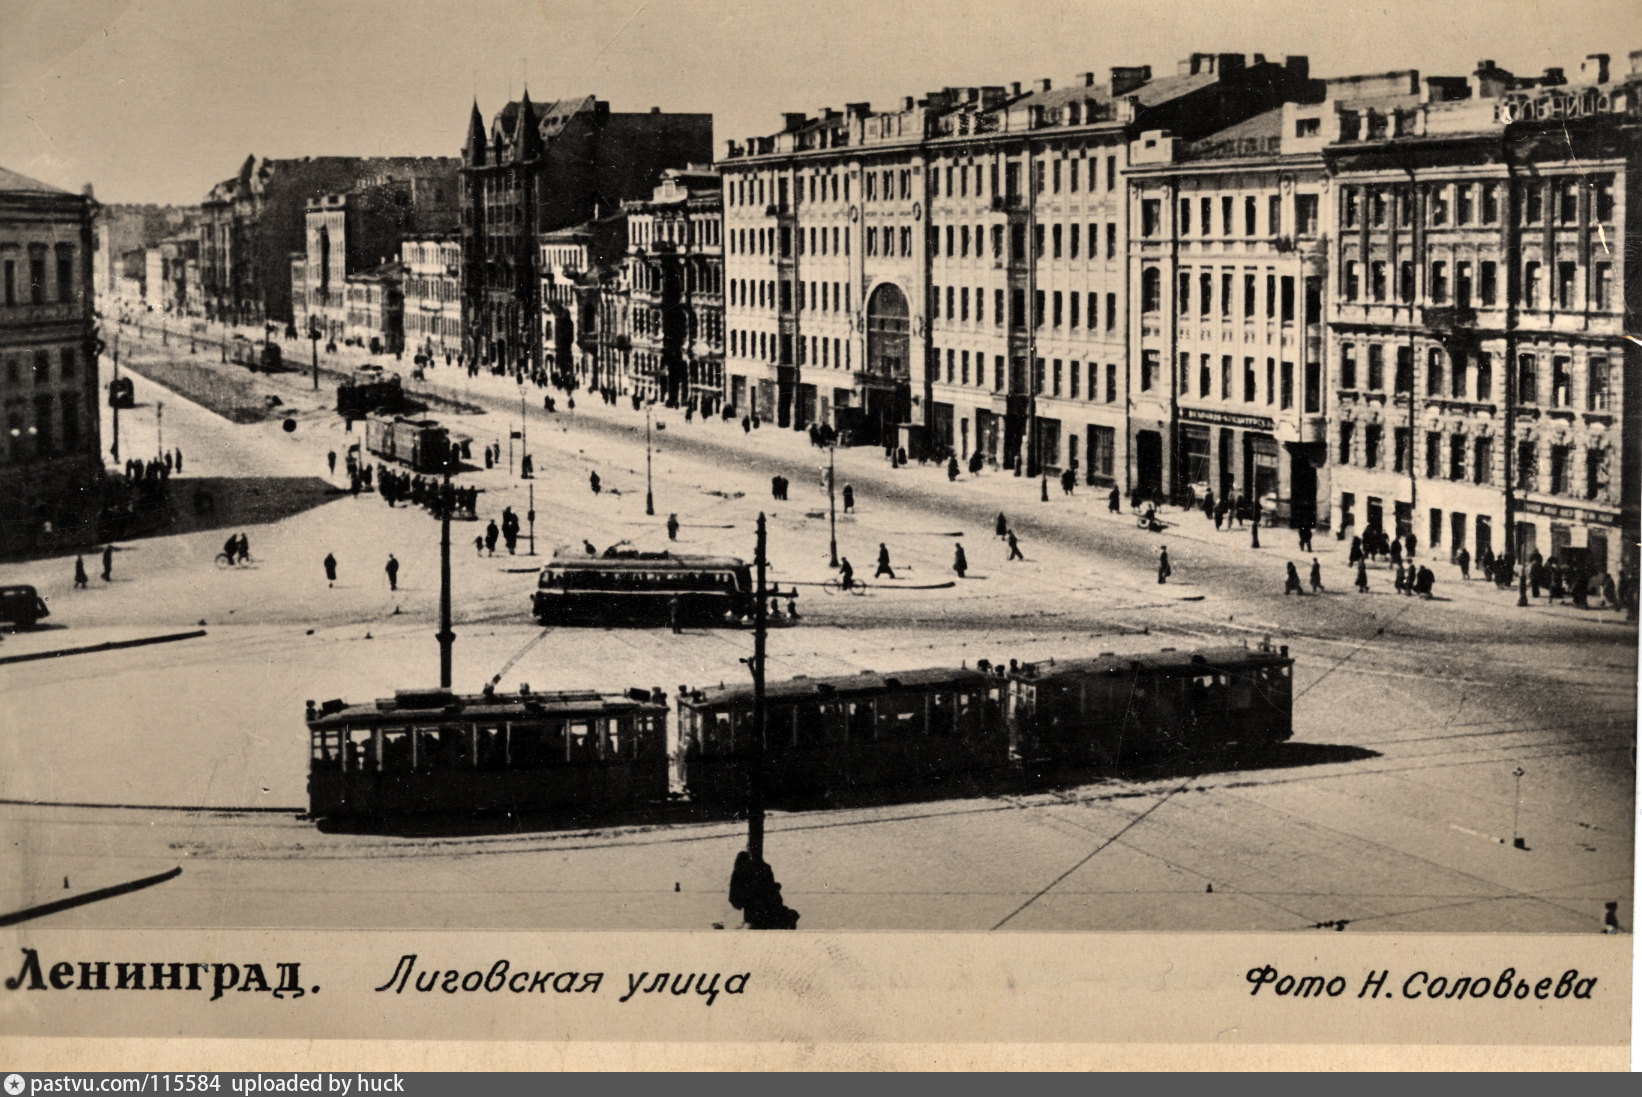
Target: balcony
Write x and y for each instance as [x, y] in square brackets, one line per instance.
[1450, 318]
[1008, 203]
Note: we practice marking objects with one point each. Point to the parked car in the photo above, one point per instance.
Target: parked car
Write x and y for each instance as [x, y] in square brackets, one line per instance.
[22, 606]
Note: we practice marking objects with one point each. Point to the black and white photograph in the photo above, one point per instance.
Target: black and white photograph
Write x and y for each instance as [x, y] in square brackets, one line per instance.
[849, 468]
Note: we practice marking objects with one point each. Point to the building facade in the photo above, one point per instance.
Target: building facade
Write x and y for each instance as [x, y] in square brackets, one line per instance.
[580, 266]
[1484, 265]
[251, 223]
[538, 170]
[376, 309]
[952, 275]
[433, 293]
[50, 453]
[674, 279]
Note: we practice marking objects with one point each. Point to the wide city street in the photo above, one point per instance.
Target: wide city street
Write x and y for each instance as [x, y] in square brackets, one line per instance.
[1458, 764]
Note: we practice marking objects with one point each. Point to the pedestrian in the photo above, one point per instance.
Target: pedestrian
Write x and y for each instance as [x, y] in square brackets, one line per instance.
[672, 614]
[849, 499]
[846, 574]
[1424, 582]
[951, 468]
[1316, 576]
[959, 563]
[1291, 584]
[393, 572]
[1463, 559]
[1163, 568]
[775, 487]
[244, 549]
[510, 536]
[672, 527]
[1536, 573]
[1114, 501]
[1067, 479]
[479, 545]
[169, 461]
[108, 563]
[79, 573]
[1362, 576]
[230, 549]
[330, 569]
[491, 534]
[178, 452]
[1219, 515]
[330, 459]
[746, 425]
[1396, 553]
[1410, 541]
[975, 463]
[883, 563]
[792, 606]
[489, 460]
[1305, 537]
[1356, 554]
[1208, 505]
[593, 482]
[1399, 584]
[901, 456]
[1001, 526]
[1014, 546]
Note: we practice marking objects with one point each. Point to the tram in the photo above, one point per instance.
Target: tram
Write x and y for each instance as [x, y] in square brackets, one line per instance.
[1115, 708]
[434, 752]
[622, 587]
[422, 444]
[370, 389]
[121, 393]
[824, 734]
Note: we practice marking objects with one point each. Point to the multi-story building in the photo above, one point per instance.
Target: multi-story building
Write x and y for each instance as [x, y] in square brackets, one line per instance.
[1483, 263]
[356, 232]
[952, 275]
[120, 230]
[50, 455]
[170, 262]
[579, 266]
[537, 171]
[674, 280]
[433, 293]
[252, 223]
[376, 309]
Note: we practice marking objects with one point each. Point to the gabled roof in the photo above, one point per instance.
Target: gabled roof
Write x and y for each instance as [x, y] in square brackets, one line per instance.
[12, 181]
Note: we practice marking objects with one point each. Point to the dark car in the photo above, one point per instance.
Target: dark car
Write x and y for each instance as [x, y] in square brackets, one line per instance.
[22, 606]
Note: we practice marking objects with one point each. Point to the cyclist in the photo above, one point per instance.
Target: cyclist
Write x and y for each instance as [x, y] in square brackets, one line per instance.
[244, 549]
[230, 549]
[846, 575]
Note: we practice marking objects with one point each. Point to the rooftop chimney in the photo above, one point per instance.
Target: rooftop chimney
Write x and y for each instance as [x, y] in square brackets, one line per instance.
[1554, 78]
[1126, 78]
[1230, 63]
[1043, 85]
[1594, 69]
[1087, 78]
[1014, 87]
[908, 102]
[792, 120]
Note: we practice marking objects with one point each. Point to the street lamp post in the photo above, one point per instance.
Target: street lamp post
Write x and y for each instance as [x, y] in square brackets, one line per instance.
[447, 637]
[159, 428]
[1516, 812]
[524, 435]
[113, 396]
[313, 336]
[531, 514]
[649, 492]
[832, 504]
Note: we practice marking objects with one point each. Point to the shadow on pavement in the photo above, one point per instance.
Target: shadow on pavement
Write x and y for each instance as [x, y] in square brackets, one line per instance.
[199, 503]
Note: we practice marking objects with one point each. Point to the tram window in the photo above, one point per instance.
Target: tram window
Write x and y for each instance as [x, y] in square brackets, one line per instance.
[642, 733]
[943, 715]
[716, 737]
[778, 727]
[900, 716]
[396, 750]
[361, 750]
[584, 743]
[810, 725]
[492, 747]
[860, 722]
[327, 748]
[1240, 693]
[533, 746]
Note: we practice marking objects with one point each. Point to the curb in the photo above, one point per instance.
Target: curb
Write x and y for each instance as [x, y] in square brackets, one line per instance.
[112, 645]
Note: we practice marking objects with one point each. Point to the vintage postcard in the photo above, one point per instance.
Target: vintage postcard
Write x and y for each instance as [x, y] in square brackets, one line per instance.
[922, 535]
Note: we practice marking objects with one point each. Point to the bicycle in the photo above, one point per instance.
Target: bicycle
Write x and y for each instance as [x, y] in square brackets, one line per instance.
[222, 560]
[836, 586]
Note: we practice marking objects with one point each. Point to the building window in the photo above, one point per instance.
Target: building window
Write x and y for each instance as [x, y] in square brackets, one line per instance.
[1489, 286]
[37, 280]
[1149, 216]
[1274, 215]
[1185, 227]
[1149, 367]
[1433, 455]
[1225, 377]
[65, 275]
[1533, 203]
[1439, 283]
[1456, 457]
[1348, 206]
[1073, 370]
[1072, 300]
[1490, 203]
[1037, 308]
[1073, 233]
[1305, 215]
[1596, 383]
[1058, 315]
[1404, 381]
[1250, 384]
[1111, 382]
[1372, 435]
[1151, 289]
[1527, 379]
[1376, 368]
[66, 363]
[1400, 456]
[1567, 195]
[1111, 240]
[1559, 469]
[1485, 376]
[1566, 274]
[997, 308]
[1376, 280]
[1462, 204]
[1527, 467]
[1530, 285]
[1287, 284]
[1056, 238]
[1055, 376]
[1111, 311]
[1314, 387]
[1561, 383]
[1346, 430]
[1483, 471]
[1439, 205]
[1352, 289]
[1433, 372]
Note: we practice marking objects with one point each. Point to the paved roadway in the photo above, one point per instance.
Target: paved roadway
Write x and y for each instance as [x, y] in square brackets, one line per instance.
[1392, 810]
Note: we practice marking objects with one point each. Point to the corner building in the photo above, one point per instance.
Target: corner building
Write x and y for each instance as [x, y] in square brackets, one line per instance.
[952, 275]
[1484, 265]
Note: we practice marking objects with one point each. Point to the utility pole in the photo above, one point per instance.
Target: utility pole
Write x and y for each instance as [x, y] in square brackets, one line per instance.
[832, 504]
[649, 492]
[313, 335]
[755, 783]
[113, 395]
[159, 428]
[532, 515]
[446, 636]
[524, 431]
[1517, 841]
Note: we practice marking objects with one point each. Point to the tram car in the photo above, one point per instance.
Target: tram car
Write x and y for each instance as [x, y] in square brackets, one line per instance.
[422, 444]
[434, 752]
[121, 393]
[370, 389]
[638, 588]
[835, 733]
[254, 356]
[1117, 708]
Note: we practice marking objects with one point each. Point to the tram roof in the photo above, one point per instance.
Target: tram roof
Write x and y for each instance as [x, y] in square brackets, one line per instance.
[649, 561]
[409, 706]
[838, 686]
[1164, 663]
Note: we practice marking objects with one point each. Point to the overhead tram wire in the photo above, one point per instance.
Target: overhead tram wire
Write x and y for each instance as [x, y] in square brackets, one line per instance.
[520, 654]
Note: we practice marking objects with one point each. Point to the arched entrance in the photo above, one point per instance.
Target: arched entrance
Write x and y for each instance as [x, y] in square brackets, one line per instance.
[889, 356]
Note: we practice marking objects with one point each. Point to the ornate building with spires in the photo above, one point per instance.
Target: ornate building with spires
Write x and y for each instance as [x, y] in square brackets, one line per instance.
[539, 169]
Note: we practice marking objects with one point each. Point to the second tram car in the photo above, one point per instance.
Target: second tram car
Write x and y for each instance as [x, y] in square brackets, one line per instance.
[434, 752]
[370, 389]
[422, 444]
[638, 588]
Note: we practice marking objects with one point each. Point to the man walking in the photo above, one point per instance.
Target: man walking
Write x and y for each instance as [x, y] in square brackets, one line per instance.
[79, 573]
[1362, 576]
[959, 563]
[1114, 501]
[1014, 547]
[491, 535]
[393, 572]
[883, 563]
[1163, 568]
[1316, 576]
[672, 527]
[1291, 584]
[108, 563]
[330, 569]
[849, 499]
[330, 459]
[1001, 526]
